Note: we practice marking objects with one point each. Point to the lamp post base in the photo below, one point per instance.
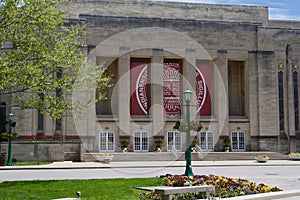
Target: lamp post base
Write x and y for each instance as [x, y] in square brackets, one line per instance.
[189, 172]
[188, 165]
[9, 156]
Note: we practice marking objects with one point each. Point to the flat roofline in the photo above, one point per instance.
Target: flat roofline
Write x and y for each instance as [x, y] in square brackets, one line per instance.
[171, 2]
[197, 3]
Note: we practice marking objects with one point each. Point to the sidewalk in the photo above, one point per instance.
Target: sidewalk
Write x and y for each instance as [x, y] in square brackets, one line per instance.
[288, 194]
[150, 164]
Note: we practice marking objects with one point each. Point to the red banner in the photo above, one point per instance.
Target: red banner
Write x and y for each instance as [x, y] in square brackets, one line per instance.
[203, 88]
[171, 89]
[138, 88]
[139, 103]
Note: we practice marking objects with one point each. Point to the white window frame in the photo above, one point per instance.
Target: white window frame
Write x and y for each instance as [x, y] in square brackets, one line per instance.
[109, 146]
[140, 137]
[177, 137]
[208, 143]
[239, 145]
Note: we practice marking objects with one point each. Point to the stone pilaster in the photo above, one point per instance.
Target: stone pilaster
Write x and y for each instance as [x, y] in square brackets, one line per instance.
[124, 91]
[157, 96]
[189, 80]
[267, 94]
[221, 92]
[253, 99]
[290, 112]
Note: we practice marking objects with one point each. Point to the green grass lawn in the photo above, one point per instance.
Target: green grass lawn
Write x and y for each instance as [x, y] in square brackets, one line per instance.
[104, 189]
[30, 163]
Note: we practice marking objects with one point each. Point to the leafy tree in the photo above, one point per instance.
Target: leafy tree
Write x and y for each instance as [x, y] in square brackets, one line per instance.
[41, 56]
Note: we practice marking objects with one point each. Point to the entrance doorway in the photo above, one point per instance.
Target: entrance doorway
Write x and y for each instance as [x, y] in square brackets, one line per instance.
[107, 141]
[238, 139]
[141, 141]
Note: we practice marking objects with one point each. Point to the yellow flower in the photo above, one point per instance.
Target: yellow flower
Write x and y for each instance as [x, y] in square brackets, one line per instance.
[262, 156]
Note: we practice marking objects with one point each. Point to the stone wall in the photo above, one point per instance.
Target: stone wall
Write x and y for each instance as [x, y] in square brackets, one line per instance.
[212, 35]
[38, 151]
[227, 33]
[175, 10]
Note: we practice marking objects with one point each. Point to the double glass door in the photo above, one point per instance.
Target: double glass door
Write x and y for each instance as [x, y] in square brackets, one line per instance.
[238, 141]
[141, 141]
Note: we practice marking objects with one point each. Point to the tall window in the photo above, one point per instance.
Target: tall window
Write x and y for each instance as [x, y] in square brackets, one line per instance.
[58, 95]
[141, 141]
[174, 141]
[41, 117]
[107, 141]
[281, 101]
[207, 141]
[296, 99]
[104, 106]
[2, 117]
[236, 88]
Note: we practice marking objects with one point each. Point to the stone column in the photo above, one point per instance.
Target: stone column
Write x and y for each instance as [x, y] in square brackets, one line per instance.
[290, 114]
[220, 99]
[90, 112]
[267, 100]
[253, 99]
[124, 91]
[157, 96]
[189, 80]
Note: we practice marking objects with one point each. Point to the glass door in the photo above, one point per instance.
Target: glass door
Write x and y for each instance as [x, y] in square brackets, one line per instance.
[207, 141]
[141, 142]
[238, 141]
[174, 141]
[107, 141]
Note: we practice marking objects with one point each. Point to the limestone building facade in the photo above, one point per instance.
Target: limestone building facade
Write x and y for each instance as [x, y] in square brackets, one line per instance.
[242, 68]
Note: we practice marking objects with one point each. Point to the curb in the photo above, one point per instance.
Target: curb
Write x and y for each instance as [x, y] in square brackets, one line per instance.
[268, 196]
[144, 164]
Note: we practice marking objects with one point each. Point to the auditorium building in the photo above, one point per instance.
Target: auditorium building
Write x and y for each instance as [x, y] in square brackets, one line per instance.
[241, 66]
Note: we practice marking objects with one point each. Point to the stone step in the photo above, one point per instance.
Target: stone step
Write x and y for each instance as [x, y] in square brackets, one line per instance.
[169, 156]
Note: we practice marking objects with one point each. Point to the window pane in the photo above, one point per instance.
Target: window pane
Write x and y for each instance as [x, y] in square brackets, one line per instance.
[234, 140]
[203, 140]
[144, 141]
[102, 141]
[137, 143]
[241, 140]
[111, 141]
[296, 100]
[170, 141]
[178, 141]
[281, 101]
[210, 141]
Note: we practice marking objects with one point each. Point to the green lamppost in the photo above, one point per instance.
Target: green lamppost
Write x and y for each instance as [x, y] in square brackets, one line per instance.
[10, 122]
[188, 159]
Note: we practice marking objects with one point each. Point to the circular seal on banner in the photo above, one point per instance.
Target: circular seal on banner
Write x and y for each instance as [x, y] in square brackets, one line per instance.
[200, 89]
[141, 90]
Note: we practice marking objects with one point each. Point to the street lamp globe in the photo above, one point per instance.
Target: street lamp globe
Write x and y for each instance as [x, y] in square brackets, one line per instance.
[11, 116]
[187, 95]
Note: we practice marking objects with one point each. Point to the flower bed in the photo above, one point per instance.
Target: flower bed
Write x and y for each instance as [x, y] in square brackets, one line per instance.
[262, 158]
[106, 157]
[294, 155]
[224, 186]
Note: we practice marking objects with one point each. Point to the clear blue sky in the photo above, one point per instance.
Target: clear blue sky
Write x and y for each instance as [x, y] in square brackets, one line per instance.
[278, 9]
